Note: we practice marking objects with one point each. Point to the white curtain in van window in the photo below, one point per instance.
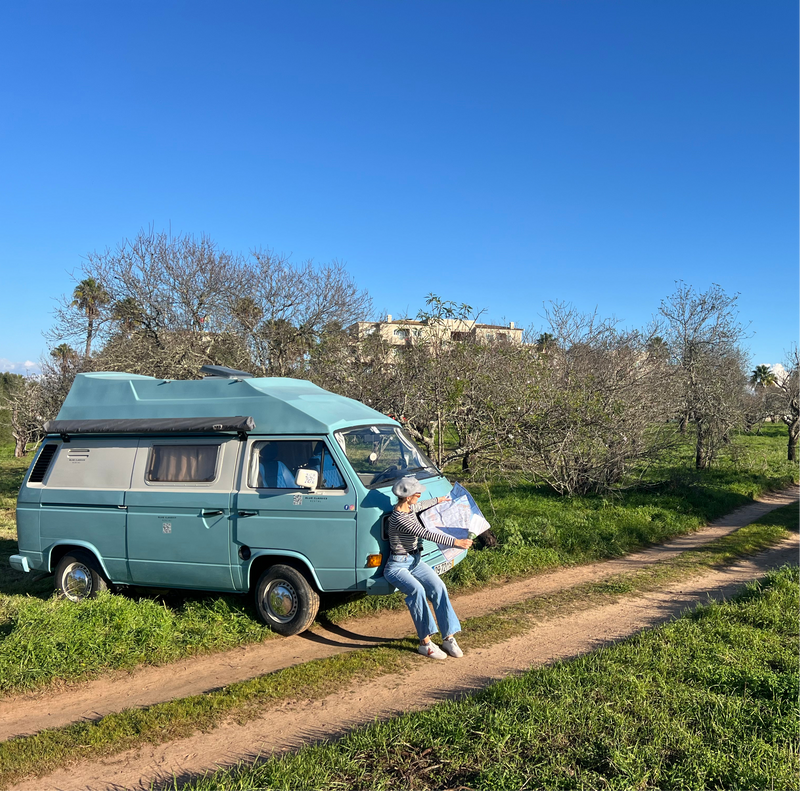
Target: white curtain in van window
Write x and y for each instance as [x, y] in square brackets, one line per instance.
[183, 463]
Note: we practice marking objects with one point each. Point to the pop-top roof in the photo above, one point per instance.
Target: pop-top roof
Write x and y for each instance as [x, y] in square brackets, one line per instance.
[277, 405]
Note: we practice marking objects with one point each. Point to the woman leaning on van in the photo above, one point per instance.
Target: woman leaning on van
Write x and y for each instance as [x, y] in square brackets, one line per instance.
[418, 581]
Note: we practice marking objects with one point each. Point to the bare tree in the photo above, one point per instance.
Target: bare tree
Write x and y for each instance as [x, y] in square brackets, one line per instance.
[757, 402]
[703, 334]
[27, 414]
[174, 303]
[38, 398]
[285, 310]
[457, 396]
[362, 368]
[492, 398]
[603, 399]
[166, 303]
[784, 400]
[9, 384]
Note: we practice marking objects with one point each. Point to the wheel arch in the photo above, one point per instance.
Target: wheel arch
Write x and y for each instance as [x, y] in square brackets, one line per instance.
[262, 560]
[59, 549]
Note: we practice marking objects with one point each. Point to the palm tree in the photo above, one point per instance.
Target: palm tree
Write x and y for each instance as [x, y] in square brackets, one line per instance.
[127, 313]
[545, 342]
[763, 377]
[89, 296]
[64, 355]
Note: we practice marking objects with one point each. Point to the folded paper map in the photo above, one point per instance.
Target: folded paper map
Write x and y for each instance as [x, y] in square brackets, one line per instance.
[458, 517]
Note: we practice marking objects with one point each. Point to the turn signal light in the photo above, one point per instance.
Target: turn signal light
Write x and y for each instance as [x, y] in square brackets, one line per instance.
[373, 561]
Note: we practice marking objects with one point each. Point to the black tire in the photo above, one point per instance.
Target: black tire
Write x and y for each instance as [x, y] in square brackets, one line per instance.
[285, 600]
[78, 576]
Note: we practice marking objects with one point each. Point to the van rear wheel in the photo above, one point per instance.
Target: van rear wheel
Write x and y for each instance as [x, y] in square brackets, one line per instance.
[285, 600]
[78, 576]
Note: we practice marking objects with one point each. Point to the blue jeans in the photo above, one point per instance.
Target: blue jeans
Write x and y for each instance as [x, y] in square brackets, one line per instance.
[420, 582]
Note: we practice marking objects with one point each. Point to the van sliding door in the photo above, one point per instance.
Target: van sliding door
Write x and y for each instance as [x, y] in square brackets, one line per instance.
[179, 513]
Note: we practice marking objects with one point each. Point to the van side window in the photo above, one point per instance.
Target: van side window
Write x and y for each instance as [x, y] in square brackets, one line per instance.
[183, 463]
[274, 464]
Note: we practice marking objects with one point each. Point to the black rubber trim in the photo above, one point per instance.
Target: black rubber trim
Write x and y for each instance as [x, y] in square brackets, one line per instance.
[184, 425]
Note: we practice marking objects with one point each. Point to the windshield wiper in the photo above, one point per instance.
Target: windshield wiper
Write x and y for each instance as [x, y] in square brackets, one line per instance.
[417, 469]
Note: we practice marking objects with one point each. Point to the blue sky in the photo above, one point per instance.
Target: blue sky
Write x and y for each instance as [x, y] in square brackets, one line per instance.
[497, 154]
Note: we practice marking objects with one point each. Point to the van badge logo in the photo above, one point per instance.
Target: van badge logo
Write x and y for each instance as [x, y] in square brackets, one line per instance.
[349, 508]
[298, 499]
[167, 526]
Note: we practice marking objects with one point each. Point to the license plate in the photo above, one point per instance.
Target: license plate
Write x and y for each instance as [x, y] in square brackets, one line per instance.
[440, 568]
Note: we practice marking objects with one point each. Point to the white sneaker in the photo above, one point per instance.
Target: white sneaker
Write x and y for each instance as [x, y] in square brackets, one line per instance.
[450, 645]
[431, 650]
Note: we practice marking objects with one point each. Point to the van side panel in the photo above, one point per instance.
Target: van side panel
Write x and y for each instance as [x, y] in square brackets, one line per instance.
[28, 536]
[318, 526]
[82, 499]
[371, 514]
[179, 534]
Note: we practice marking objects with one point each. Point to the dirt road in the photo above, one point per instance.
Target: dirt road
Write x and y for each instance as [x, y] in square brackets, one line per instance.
[299, 723]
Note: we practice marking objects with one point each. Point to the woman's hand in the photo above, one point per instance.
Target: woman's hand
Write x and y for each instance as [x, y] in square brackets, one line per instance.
[442, 499]
[463, 543]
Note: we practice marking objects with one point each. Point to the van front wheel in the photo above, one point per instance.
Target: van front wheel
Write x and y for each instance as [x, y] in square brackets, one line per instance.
[78, 576]
[285, 600]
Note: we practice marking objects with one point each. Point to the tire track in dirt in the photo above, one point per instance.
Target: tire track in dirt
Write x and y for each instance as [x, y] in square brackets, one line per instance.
[28, 714]
[302, 722]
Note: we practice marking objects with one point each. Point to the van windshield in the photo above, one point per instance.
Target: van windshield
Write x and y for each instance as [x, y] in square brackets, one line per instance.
[382, 454]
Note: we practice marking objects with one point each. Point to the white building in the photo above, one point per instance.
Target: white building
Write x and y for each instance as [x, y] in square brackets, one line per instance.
[403, 332]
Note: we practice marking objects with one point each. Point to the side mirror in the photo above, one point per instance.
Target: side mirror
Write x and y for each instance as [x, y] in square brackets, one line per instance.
[306, 479]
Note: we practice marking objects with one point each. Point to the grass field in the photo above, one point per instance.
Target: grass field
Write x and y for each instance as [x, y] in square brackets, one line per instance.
[43, 639]
[706, 702]
[179, 718]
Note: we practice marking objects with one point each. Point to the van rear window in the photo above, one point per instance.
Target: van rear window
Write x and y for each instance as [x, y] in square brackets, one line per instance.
[183, 463]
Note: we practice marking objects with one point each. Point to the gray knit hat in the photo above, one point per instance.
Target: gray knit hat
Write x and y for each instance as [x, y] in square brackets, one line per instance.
[407, 486]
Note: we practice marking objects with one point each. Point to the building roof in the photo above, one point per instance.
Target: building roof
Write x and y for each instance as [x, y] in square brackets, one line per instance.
[466, 322]
[499, 327]
[277, 405]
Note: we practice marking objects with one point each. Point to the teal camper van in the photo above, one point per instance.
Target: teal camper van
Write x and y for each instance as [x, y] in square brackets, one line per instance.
[230, 483]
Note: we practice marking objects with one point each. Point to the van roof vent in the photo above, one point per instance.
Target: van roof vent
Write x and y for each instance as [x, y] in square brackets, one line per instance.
[221, 372]
[42, 464]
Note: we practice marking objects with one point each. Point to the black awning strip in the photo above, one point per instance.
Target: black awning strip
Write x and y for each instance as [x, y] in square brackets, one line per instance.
[166, 425]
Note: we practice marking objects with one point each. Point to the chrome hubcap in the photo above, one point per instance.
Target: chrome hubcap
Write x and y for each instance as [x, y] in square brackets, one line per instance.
[77, 582]
[281, 600]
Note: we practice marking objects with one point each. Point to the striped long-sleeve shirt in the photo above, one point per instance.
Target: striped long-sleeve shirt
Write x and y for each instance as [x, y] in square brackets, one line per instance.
[405, 531]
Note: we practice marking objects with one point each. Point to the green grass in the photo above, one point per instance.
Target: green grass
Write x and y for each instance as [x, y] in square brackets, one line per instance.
[706, 702]
[12, 582]
[313, 680]
[43, 640]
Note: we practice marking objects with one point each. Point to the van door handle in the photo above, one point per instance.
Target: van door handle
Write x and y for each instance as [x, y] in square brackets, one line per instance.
[211, 513]
[248, 513]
